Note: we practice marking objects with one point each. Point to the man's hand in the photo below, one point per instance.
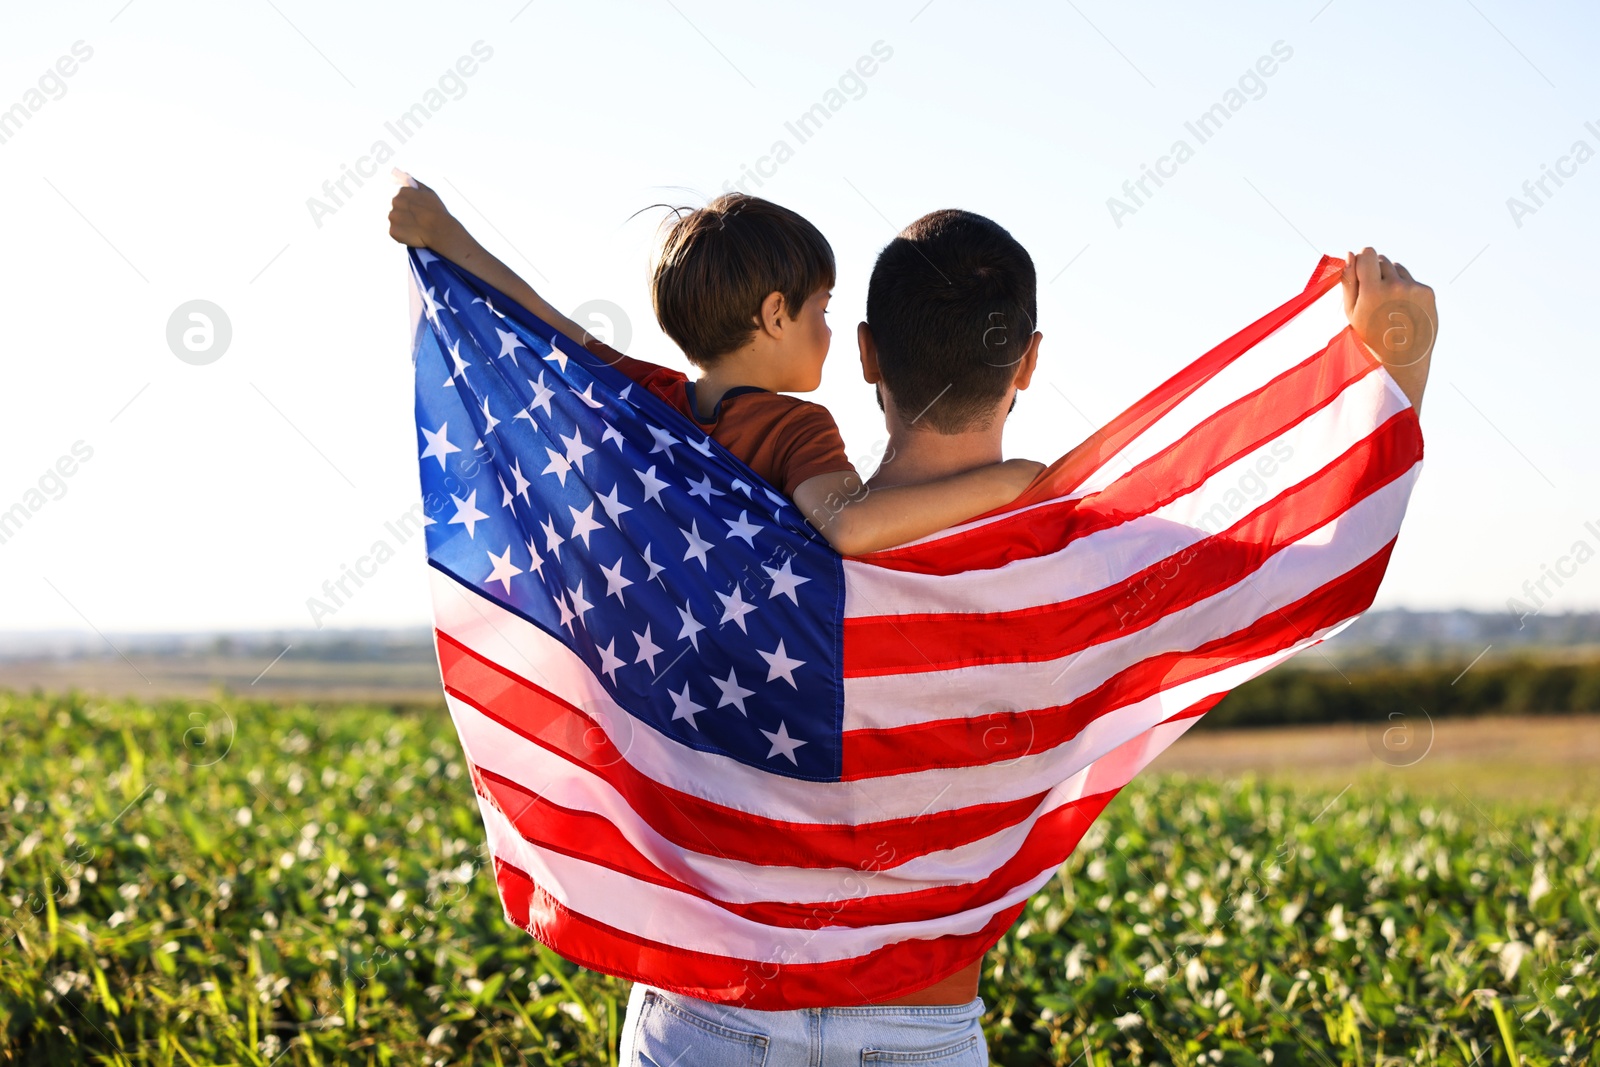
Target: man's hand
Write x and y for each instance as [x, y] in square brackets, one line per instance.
[1395, 317]
[417, 217]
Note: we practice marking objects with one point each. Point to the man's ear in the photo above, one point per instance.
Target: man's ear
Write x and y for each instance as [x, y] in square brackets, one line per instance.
[869, 354]
[1028, 363]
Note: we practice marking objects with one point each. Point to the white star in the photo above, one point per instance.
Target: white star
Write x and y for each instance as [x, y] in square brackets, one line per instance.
[580, 605]
[505, 499]
[486, 302]
[609, 661]
[461, 364]
[433, 307]
[439, 445]
[559, 356]
[449, 305]
[489, 421]
[683, 707]
[697, 545]
[664, 441]
[467, 513]
[611, 434]
[704, 450]
[784, 581]
[743, 528]
[566, 612]
[648, 649]
[576, 449]
[616, 581]
[426, 256]
[587, 396]
[541, 394]
[782, 742]
[509, 342]
[779, 665]
[691, 628]
[552, 540]
[703, 489]
[536, 563]
[503, 569]
[781, 501]
[558, 466]
[734, 608]
[655, 568]
[613, 504]
[732, 692]
[626, 389]
[583, 523]
[741, 486]
[652, 484]
[521, 482]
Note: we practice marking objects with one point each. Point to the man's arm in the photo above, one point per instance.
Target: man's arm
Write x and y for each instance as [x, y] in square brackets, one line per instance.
[1395, 317]
[419, 218]
[857, 520]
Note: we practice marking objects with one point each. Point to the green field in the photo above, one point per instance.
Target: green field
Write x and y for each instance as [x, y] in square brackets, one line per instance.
[192, 882]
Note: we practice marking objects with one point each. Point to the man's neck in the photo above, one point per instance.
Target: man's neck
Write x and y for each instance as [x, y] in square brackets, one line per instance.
[916, 455]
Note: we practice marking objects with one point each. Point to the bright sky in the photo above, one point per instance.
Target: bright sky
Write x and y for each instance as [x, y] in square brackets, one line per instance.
[176, 162]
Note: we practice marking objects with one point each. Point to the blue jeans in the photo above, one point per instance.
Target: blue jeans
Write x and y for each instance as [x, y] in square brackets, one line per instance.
[670, 1030]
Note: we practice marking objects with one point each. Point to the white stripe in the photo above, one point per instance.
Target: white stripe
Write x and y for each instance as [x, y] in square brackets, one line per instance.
[882, 701]
[1110, 556]
[502, 637]
[1307, 333]
[499, 750]
[1290, 345]
[682, 920]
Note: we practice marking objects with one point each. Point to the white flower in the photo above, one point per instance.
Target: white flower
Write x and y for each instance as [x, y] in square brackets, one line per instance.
[1540, 886]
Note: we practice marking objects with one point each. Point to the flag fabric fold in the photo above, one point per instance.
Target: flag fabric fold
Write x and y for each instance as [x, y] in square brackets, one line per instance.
[715, 757]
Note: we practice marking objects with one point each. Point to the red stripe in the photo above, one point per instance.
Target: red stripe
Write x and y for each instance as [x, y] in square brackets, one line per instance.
[897, 644]
[955, 553]
[1004, 736]
[692, 822]
[595, 839]
[888, 972]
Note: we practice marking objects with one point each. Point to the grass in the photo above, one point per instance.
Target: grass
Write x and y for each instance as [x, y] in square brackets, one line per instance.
[230, 882]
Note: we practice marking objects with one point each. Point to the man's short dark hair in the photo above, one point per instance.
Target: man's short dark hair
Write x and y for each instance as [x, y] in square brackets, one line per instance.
[718, 263]
[952, 305]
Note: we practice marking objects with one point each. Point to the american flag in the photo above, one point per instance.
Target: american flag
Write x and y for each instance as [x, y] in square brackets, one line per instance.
[715, 757]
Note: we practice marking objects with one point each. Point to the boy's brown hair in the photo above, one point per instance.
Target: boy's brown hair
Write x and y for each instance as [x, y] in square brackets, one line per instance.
[718, 263]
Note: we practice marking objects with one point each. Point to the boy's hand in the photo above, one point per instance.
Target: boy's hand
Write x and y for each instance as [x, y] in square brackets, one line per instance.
[1395, 317]
[1020, 473]
[417, 217]
[857, 520]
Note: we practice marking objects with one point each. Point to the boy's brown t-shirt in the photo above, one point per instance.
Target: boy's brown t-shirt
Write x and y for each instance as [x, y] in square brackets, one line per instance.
[784, 439]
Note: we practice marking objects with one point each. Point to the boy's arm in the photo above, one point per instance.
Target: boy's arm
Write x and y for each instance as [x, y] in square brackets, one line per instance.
[419, 218]
[1395, 317]
[857, 520]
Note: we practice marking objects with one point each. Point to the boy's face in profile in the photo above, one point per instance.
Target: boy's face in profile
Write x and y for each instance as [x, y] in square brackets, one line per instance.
[808, 348]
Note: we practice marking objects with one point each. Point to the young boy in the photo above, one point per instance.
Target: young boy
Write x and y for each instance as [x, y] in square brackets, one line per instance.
[742, 286]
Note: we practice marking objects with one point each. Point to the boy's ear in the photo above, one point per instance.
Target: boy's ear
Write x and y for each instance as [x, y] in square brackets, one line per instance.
[772, 310]
[1028, 363]
[869, 354]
